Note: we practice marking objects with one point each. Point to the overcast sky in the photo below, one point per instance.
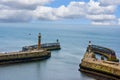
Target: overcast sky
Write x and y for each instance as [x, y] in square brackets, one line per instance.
[100, 12]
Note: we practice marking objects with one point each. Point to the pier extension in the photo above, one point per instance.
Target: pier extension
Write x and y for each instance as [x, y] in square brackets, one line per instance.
[47, 46]
[106, 68]
[25, 56]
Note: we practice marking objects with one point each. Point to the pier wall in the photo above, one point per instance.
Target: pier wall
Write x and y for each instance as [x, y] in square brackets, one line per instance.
[46, 46]
[108, 53]
[101, 68]
[16, 57]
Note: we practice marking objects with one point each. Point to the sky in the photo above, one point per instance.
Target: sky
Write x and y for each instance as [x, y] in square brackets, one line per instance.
[96, 12]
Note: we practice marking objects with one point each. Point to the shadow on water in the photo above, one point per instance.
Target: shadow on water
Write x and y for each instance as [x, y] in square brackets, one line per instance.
[96, 77]
[39, 69]
[23, 63]
[98, 56]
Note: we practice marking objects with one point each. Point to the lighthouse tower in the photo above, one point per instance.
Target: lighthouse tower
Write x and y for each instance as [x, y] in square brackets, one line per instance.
[39, 41]
[89, 46]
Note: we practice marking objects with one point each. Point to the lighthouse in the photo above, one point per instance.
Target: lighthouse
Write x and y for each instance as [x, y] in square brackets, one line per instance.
[39, 40]
[89, 46]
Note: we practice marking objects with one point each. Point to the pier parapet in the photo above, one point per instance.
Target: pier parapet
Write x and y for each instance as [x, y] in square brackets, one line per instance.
[106, 52]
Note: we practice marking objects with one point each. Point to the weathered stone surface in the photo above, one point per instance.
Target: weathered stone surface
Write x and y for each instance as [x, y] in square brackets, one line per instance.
[30, 55]
[107, 67]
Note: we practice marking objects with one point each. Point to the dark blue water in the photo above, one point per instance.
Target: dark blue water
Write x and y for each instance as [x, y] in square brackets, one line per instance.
[63, 64]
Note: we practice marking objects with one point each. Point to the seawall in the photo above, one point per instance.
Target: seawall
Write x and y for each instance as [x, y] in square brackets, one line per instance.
[27, 56]
[103, 68]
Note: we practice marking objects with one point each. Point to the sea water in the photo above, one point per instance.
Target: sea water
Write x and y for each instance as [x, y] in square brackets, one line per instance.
[64, 63]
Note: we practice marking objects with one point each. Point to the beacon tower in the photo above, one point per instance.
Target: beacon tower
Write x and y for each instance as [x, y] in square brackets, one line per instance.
[39, 40]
